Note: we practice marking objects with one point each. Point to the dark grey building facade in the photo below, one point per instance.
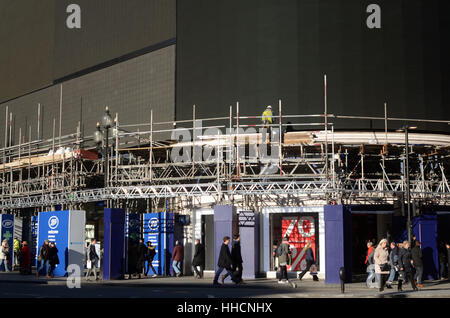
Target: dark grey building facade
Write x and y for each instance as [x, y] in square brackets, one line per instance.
[167, 55]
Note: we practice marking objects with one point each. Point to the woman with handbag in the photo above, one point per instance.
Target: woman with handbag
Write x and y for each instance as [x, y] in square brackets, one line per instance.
[382, 268]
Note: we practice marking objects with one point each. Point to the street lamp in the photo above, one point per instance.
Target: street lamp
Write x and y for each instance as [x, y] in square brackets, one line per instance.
[406, 129]
[98, 138]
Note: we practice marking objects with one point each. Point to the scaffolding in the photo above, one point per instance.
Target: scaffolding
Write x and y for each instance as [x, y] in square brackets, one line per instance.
[300, 158]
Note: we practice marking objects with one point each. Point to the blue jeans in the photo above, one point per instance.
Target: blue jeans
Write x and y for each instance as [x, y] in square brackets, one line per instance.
[370, 278]
[176, 267]
[5, 263]
[41, 266]
[229, 272]
[391, 275]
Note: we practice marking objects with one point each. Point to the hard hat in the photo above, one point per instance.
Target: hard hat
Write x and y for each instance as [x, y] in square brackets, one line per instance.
[269, 107]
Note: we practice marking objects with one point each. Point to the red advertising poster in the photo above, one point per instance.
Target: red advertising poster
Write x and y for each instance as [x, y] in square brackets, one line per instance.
[300, 230]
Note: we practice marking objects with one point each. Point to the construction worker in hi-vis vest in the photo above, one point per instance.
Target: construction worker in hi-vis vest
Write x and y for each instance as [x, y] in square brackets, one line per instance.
[267, 116]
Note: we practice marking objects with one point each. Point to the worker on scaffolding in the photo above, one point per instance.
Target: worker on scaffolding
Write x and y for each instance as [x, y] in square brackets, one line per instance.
[267, 122]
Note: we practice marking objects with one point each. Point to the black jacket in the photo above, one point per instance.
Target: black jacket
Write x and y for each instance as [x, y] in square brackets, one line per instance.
[93, 256]
[310, 256]
[393, 256]
[404, 259]
[225, 260]
[53, 256]
[199, 255]
[416, 255]
[236, 256]
[151, 252]
[142, 252]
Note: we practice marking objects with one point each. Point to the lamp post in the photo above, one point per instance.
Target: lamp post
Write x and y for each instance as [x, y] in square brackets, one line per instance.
[106, 123]
[406, 129]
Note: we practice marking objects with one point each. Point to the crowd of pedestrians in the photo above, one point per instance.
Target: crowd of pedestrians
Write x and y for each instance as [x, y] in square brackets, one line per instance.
[402, 262]
[387, 262]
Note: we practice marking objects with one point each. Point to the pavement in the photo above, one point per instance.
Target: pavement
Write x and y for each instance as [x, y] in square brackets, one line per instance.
[14, 285]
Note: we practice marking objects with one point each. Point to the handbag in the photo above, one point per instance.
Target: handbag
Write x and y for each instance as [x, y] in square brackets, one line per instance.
[385, 267]
[89, 264]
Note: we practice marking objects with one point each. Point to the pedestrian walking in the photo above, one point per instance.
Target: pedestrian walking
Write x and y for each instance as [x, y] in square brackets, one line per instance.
[381, 263]
[25, 259]
[236, 259]
[177, 258]
[92, 260]
[309, 261]
[405, 266]
[53, 259]
[417, 258]
[4, 255]
[151, 252]
[16, 252]
[442, 256]
[393, 263]
[283, 253]
[370, 262]
[43, 259]
[199, 259]
[142, 256]
[224, 262]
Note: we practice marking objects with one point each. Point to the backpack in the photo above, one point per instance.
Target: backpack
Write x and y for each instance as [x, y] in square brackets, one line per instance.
[279, 250]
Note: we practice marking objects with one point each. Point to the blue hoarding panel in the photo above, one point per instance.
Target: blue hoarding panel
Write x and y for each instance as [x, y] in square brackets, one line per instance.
[158, 228]
[151, 232]
[337, 242]
[54, 226]
[67, 230]
[425, 229]
[114, 244]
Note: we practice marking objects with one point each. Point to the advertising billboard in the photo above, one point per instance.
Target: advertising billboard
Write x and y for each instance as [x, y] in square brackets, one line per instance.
[300, 230]
[67, 230]
[158, 228]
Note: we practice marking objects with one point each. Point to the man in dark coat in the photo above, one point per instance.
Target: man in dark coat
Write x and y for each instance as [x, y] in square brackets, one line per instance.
[142, 255]
[416, 255]
[236, 259]
[199, 259]
[224, 262]
[405, 266]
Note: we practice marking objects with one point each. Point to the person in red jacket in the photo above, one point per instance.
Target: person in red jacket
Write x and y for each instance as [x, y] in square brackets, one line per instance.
[25, 259]
[369, 251]
[178, 256]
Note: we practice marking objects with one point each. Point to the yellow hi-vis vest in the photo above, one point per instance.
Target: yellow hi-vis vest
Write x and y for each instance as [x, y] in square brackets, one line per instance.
[267, 116]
